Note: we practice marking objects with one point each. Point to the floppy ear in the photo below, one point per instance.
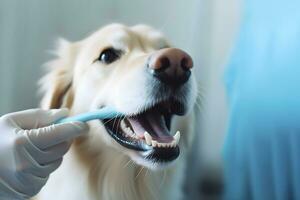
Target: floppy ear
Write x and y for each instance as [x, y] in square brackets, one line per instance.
[56, 86]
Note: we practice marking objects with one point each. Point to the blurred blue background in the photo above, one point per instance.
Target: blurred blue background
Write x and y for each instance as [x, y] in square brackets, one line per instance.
[204, 28]
[261, 151]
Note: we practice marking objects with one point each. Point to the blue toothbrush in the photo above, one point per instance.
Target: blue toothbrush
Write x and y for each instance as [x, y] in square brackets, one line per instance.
[103, 113]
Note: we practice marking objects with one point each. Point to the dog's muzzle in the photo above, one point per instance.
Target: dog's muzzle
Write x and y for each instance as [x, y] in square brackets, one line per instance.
[148, 131]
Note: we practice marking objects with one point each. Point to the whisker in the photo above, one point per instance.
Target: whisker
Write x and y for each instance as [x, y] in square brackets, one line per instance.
[112, 119]
[127, 163]
[163, 180]
[200, 98]
[122, 118]
[108, 121]
[199, 105]
[118, 126]
[117, 116]
[139, 172]
[146, 172]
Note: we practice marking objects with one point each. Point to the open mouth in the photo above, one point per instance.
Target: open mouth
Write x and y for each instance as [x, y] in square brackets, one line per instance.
[149, 131]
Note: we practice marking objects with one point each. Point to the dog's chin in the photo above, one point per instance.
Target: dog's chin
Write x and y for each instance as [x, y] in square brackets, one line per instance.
[141, 159]
[146, 136]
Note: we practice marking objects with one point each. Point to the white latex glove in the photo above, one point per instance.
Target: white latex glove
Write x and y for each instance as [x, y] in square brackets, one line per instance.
[29, 153]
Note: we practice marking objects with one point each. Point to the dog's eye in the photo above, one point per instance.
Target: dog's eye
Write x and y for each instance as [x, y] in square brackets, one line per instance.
[109, 55]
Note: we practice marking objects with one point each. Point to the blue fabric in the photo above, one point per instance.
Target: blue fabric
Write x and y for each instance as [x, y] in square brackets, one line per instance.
[262, 147]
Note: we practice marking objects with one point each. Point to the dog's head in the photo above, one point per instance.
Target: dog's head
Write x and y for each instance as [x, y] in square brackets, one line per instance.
[136, 71]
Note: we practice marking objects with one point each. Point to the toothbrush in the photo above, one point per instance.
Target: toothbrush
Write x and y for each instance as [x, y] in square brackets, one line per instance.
[103, 113]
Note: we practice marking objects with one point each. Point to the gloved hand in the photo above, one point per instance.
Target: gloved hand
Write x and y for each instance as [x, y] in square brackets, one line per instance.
[31, 148]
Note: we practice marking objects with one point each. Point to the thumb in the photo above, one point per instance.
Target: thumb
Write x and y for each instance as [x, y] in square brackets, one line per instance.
[57, 133]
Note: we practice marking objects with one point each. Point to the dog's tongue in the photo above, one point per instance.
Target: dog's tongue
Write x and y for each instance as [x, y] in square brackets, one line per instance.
[154, 123]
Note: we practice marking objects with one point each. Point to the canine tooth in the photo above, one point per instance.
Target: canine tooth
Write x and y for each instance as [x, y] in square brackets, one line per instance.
[148, 138]
[173, 143]
[177, 137]
[154, 143]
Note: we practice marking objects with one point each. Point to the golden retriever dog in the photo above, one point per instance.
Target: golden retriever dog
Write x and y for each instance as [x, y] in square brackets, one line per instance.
[137, 157]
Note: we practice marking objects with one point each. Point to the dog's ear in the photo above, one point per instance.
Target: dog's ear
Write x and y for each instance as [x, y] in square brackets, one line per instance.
[56, 85]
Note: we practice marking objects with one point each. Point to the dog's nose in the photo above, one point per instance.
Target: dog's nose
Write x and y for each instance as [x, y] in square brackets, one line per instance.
[171, 66]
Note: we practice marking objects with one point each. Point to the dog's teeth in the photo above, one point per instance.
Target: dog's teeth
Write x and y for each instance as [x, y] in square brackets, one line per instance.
[172, 143]
[128, 130]
[154, 143]
[148, 138]
[177, 137]
[123, 125]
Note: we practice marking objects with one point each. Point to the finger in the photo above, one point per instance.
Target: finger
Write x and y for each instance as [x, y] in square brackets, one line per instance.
[59, 150]
[45, 170]
[35, 118]
[43, 157]
[9, 192]
[55, 134]
[27, 164]
[36, 183]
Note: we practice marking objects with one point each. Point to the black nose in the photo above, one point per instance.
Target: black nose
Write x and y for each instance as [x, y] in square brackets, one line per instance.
[171, 66]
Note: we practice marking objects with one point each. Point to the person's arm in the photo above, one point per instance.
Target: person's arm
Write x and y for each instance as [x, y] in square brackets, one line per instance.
[31, 148]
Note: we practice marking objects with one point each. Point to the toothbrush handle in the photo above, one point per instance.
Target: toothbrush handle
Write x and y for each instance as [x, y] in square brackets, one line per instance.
[104, 113]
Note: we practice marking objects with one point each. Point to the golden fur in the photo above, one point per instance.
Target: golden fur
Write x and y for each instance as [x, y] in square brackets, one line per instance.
[96, 167]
